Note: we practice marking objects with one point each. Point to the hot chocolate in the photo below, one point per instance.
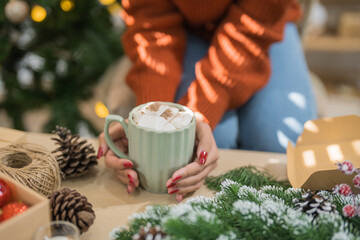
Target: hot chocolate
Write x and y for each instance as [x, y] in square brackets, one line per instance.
[162, 117]
[161, 139]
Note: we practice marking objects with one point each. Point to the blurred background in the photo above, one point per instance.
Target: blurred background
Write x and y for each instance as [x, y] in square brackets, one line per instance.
[61, 61]
[330, 33]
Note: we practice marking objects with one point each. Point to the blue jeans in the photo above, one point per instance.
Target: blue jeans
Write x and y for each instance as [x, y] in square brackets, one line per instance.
[273, 116]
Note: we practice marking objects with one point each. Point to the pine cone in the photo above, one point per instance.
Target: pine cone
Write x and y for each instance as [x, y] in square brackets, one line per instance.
[75, 158]
[69, 205]
[149, 232]
[313, 204]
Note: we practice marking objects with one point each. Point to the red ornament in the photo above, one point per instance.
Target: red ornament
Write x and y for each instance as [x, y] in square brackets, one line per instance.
[356, 181]
[343, 189]
[349, 211]
[346, 167]
[13, 209]
[5, 193]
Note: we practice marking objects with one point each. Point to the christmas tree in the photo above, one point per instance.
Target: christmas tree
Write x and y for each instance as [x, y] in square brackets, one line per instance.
[52, 53]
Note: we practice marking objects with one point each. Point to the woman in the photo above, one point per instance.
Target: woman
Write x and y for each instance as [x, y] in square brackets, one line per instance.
[219, 59]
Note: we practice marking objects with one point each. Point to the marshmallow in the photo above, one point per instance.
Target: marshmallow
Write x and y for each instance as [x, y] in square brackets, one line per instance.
[160, 116]
[181, 120]
[137, 116]
[168, 127]
[155, 109]
[169, 113]
[153, 122]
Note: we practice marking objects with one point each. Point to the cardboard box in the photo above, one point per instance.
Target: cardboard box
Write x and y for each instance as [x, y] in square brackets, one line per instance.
[21, 227]
[11, 136]
[324, 142]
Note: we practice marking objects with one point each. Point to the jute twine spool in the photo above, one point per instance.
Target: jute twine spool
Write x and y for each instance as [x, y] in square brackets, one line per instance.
[31, 165]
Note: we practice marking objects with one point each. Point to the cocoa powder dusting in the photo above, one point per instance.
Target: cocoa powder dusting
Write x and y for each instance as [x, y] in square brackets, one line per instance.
[153, 107]
[167, 114]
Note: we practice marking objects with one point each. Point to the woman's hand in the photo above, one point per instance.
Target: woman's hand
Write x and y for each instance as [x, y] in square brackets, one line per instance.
[192, 176]
[184, 180]
[122, 167]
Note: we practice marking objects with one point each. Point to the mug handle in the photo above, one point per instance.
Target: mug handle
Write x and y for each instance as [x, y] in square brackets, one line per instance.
[115, 118]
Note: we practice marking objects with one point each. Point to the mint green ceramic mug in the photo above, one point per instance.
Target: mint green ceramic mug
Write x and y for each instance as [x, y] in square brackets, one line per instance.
[156, 154]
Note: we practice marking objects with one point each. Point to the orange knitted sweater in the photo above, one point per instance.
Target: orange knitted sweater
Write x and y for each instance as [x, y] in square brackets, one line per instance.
[236, 65]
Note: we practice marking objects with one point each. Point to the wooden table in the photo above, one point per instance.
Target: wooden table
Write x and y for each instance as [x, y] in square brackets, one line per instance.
[113, 205]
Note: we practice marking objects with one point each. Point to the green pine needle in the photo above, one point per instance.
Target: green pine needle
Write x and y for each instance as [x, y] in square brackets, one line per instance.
[249, 204]
[248, 175]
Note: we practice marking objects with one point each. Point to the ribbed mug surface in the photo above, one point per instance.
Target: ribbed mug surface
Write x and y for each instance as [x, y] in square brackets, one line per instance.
[156, 155]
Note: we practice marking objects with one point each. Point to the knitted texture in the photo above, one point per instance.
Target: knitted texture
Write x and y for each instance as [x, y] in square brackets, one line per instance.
[236, 65]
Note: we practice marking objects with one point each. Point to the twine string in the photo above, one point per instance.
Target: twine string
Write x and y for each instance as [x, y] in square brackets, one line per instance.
[31, 165]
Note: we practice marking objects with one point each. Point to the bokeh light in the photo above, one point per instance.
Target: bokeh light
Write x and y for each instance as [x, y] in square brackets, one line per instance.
[38, 13]
[106, 2]
[114, 8]
[101, 110]
[67, 5]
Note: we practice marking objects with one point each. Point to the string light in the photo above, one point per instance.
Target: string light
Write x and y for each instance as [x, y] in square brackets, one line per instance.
[106, 2]
[114, 8]
[38, 13]
[101, 110]
[67, 5]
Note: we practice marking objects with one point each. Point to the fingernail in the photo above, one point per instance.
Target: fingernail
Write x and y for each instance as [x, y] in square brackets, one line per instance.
[100, 153]
[173, 191]
[179, 197]
[131, 180]
[176, 178]
[128, 191]
[173, 184]
[203, 157]
[128, 165]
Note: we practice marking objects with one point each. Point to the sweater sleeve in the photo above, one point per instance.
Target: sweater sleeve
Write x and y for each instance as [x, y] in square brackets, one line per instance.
[237, 63]
[154, 40]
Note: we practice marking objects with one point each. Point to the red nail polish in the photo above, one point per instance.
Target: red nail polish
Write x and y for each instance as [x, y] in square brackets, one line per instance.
[176, 178]
[174, 191]
[203, 157]
[173, 184]
[100, 153]
[131, 180]
[128, 165]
